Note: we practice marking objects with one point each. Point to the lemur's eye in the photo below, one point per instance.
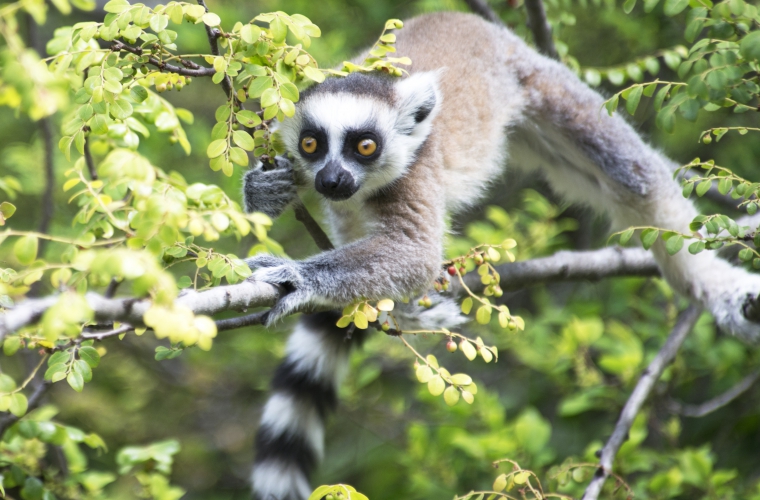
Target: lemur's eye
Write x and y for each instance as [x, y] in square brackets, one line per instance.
[366, 147]
[309, 144]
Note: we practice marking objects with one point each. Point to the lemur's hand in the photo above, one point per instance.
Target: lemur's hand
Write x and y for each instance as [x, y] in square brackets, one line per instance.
[269, 191]
[290, 275]
[736, 308]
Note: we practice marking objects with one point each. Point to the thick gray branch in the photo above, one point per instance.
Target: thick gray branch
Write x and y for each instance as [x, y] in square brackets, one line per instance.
[541, 29]
[649, 377]
[563, 266]
[239, 297]
[717, 402]
[589, 265]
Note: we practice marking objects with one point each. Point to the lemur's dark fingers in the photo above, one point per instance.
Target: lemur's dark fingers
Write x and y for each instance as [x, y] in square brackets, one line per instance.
[751, 308]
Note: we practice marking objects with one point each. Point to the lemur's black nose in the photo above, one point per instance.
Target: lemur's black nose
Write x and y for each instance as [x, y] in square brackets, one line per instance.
[335, 182]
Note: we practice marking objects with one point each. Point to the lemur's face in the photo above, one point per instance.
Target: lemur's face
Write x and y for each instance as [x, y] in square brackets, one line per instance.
[351, 142]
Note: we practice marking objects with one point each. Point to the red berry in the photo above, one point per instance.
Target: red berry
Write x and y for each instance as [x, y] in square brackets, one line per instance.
[452, 270]
[451, 346]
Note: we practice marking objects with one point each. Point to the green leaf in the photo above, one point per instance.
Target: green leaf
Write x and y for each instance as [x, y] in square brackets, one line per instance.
[19, 404]
[660, 97]
[625, 236]
[216, 148]
[467, 305]
[451, 395]
[25, 249]
[76, 381]
[750, 46]
[90, 356]
[628, 6]
[648, 237]
[138, 93]
[279, 30]
[675, 7]
[612, 104]
[239, 157]
[696, 247]
[248, 118]
[211, 19]
[632, 101]
[703, 187]
[121, 109]
[243, 139]
[269, 98]
[314, 74]
[674, 244]
[436, 385]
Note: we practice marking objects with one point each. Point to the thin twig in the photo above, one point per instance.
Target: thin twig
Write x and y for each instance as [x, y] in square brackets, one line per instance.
[47, 196]
[717, 402]
[481, 8]
[89, 161]
[316, 232]
[649, 377]
[541, 29]
[213, 35]
[32, 402]
[256, 318]
[191, 68]
[103, 335]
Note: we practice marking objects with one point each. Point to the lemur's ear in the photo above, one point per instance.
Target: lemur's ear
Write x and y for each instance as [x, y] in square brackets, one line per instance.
[419, 101]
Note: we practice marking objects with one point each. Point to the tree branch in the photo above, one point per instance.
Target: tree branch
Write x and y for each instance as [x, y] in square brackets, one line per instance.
[33, 402]
[589, 265]
[717, 402]
[191, 68]
[541, 29]
[213, 34]
[664, 357]
[481, 8]
[316, 232]
[242, 296]
[563, 266]
[47, 197]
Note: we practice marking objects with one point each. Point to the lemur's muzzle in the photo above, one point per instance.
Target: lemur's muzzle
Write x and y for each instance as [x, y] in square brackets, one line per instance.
[335, 182]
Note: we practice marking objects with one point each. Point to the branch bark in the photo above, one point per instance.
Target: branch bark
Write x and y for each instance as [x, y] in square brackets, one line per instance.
[717, 402]
[33, 402]
[541, 29]
[563, 266]
[240, 297]
[192, 69]
[649, 377]
[589, 265]
[316, 232]
[47, 198]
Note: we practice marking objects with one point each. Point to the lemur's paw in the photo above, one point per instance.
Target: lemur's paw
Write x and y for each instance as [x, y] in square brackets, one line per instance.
[738, 311]
[269, 191]
[285, 274]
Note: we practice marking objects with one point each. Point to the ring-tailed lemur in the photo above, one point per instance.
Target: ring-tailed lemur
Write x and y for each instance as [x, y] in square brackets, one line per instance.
[391, 157]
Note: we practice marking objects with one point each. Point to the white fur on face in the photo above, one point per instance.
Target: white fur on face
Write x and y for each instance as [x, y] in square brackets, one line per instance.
[394, 122]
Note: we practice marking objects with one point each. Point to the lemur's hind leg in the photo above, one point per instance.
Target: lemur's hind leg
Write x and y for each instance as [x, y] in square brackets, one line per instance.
[601, 161]
[290, 439]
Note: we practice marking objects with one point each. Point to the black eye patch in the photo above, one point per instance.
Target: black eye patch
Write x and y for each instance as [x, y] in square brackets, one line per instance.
[354, 138]
[306, 139]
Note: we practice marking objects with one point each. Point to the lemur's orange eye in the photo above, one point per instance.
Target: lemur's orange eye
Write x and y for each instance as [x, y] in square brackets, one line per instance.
[309, 144]
[366, 147]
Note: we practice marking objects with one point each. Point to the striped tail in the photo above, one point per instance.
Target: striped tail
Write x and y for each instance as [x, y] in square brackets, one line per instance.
[290, 439]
